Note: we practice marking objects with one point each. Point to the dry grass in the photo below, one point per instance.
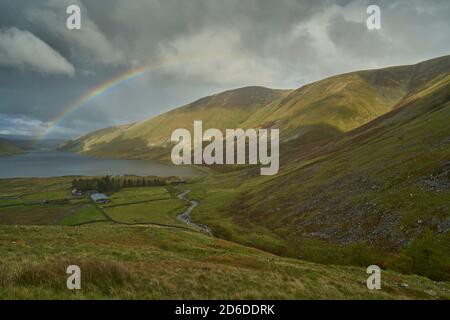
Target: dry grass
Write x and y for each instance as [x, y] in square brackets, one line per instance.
[120, 262]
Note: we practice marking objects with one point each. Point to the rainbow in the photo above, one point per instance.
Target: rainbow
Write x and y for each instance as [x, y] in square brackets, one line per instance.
[102, 88]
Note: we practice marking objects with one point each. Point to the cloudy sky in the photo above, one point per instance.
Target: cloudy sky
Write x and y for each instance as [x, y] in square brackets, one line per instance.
[201, 46]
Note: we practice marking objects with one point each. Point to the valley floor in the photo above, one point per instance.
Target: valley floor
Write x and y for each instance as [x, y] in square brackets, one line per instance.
[135, 248]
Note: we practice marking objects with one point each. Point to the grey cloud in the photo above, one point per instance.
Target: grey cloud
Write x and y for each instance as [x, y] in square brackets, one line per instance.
[88, 44]
[411, 31]
[21, 125]
[24, 50]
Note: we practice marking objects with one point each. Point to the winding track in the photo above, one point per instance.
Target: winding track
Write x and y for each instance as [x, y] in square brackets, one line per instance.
[186, 215]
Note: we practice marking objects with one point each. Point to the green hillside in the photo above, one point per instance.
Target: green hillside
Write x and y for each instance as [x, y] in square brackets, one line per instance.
[151, 138]
[143, 262]
[318, 111]
[379, 194]
[7, 148]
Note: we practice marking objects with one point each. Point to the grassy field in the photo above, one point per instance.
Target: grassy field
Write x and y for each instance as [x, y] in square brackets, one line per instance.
[146, 262]
[127, 196]
[144, 205]
[47, 201]
[36, 214]
[160, 211]
[88, 213]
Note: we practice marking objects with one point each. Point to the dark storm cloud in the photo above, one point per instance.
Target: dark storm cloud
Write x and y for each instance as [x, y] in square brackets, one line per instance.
[215, 45]
[411, 31]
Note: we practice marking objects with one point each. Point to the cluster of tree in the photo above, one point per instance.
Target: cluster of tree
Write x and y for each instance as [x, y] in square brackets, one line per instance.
[112, 184]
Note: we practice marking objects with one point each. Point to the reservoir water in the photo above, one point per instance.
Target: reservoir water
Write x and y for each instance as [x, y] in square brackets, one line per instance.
[58, 163]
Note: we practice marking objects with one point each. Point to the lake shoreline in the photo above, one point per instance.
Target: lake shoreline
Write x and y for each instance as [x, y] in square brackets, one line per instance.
[52, 163]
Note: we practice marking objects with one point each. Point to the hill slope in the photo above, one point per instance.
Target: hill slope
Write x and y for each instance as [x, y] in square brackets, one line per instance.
[139, 262]
[150, 139]
[384, 187]
[318, 111]
[7, 148]
[394, 166]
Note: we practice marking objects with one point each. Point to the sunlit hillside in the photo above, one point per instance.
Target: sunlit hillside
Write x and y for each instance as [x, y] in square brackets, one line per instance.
[314, 112]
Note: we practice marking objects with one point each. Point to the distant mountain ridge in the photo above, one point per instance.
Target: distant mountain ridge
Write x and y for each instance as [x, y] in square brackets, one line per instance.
[28, 142]
[151, 138]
